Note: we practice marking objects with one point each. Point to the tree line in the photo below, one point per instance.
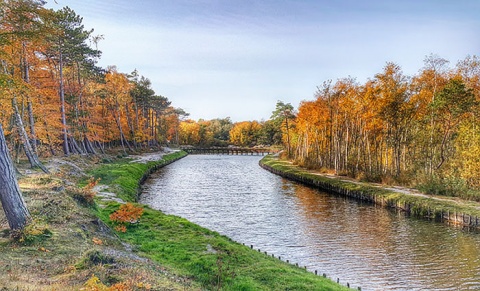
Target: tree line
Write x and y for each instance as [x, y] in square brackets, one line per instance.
[416, 130]
[224, 132]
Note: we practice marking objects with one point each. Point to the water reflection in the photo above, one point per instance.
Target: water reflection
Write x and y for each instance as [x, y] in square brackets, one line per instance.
[356, 242]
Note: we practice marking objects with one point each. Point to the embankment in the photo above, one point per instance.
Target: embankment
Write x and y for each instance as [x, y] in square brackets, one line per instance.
[443, 209]
[211, 260]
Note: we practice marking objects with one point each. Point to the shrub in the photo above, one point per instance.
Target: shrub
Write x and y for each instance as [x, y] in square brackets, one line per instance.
[127, 213]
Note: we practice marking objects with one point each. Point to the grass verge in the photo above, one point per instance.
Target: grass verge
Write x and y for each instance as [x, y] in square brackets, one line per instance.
[206, 257]
[452, 210]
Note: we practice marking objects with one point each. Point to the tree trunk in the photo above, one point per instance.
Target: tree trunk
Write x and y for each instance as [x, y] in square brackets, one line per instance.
[32, 157]
[13, 204]
[88, 145]
[32, 126]
[123, 140]
[288, 138]
[130, 126]
[74, 146]
[66, 150]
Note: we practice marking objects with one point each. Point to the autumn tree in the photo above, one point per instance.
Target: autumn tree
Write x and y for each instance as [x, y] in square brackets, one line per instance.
[396, 111]
[245, 133]
[451, 106]
[425, 86]
[189, 132]
[117, 96]
[173, 117]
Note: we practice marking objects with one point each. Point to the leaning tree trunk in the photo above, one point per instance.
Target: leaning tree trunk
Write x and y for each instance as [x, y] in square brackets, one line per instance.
[32, 157]
[12, 201]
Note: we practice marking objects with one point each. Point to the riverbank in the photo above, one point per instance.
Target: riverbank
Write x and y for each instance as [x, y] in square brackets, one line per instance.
[439, 208]
[204, 257]
[71, 244]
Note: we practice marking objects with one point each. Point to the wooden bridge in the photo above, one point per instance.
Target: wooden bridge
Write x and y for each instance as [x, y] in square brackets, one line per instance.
[227, 151]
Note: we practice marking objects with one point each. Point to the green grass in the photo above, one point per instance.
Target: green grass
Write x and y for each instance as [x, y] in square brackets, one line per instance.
[428, 207]
[210, 259]
[123, 176]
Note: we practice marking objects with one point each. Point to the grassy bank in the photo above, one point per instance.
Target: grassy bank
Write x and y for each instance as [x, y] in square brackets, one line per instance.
[124, 176]
[196, 254]
[66, 246]
[443, 209]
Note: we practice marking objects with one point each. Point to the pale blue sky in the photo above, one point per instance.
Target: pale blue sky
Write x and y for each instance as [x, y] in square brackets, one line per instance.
[236, 58]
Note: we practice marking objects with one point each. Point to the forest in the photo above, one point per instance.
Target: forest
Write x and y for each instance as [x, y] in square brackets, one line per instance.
[420, 131]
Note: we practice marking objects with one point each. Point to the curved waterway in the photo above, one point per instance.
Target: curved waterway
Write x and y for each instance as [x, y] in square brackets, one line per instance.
[362, 244]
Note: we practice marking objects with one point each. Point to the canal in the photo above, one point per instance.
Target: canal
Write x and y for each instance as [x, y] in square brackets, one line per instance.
[357, 242]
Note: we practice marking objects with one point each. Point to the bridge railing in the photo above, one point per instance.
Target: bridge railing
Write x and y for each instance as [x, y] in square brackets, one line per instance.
[226, 151]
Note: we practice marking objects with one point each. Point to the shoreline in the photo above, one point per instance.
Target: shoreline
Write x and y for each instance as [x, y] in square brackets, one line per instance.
[442, 209]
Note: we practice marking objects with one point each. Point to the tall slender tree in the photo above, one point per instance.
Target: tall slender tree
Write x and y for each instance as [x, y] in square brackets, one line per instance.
[282, 114]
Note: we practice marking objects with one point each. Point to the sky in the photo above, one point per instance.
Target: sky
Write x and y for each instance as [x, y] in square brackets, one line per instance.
[237, 58]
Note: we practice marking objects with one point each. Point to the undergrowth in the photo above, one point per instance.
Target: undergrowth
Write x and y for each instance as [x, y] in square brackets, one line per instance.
[453, 187]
